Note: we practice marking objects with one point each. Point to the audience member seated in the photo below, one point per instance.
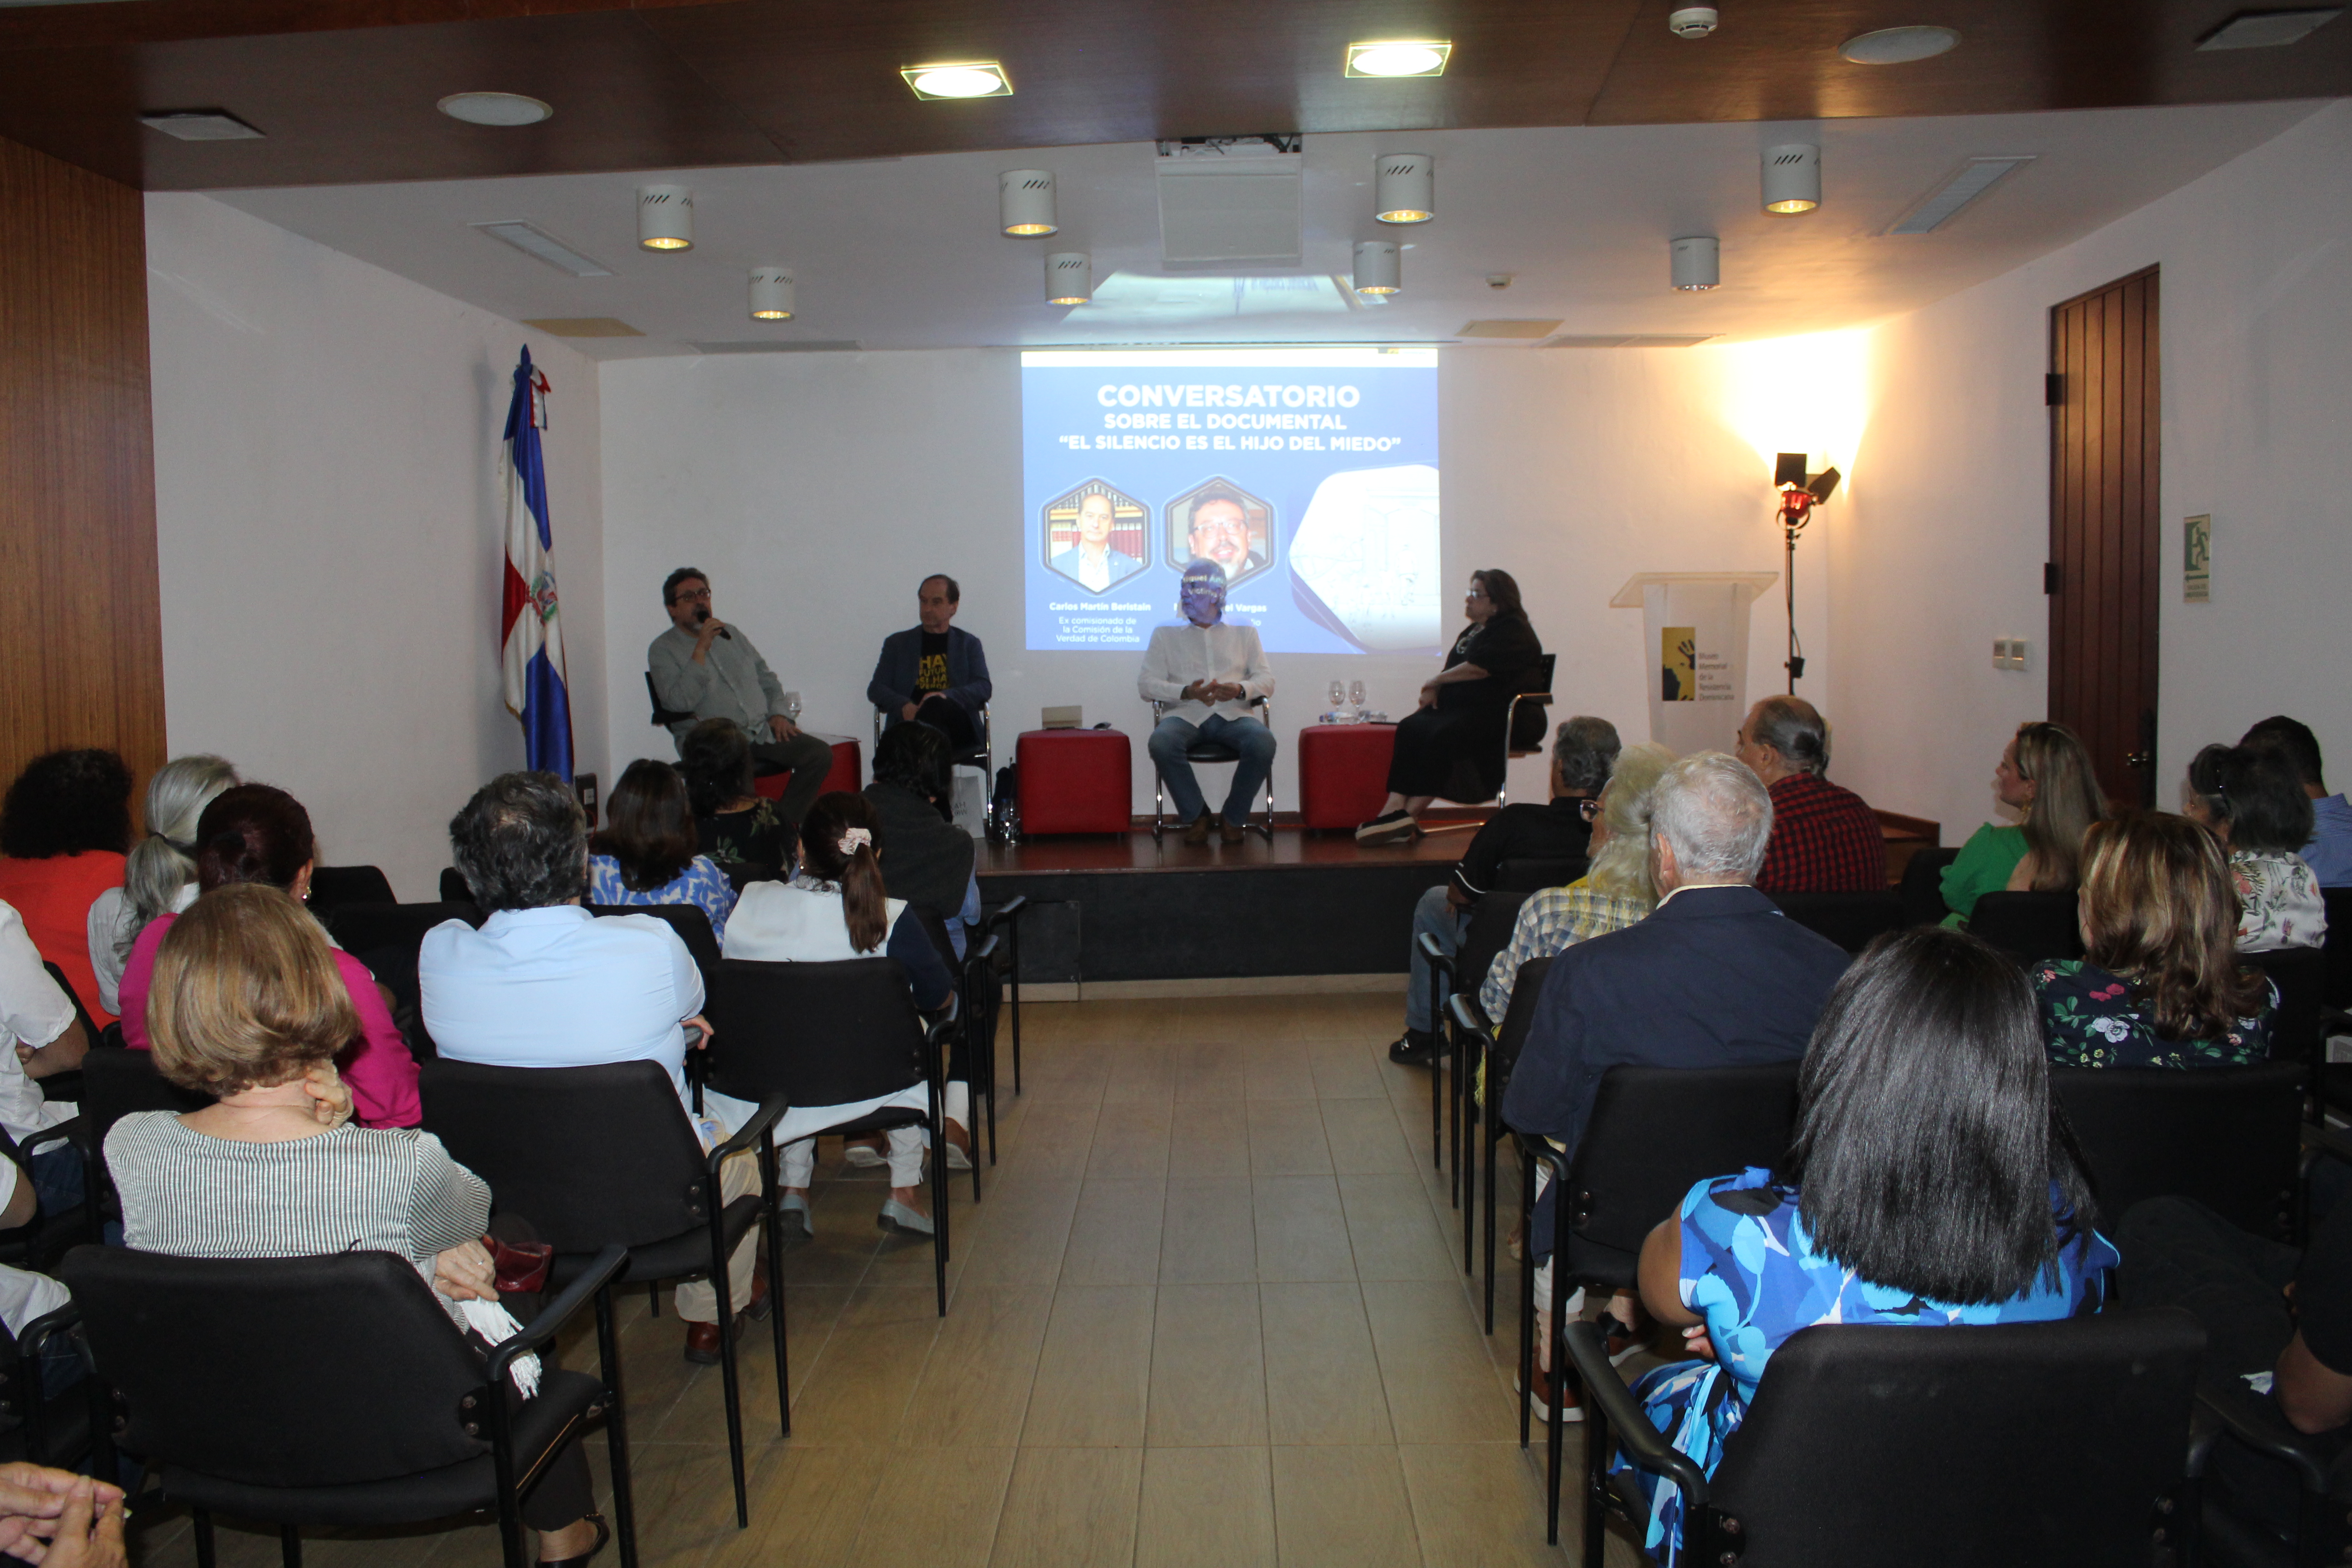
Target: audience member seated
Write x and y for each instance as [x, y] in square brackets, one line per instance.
[2329, 853]
[257, 833]
[2259, 811]
[1926, 1187]
[1717, 975]
[2160, 986]
[1613, 894]
[1824, 839]
[1584, 750]
[248, 1007]
[732, 824]
[47, 1038]
[932, 863]
[933, 673]
[544, 983]
[160, 877]
[1453, 745]
[2046, 778]
[646, 854]
[836, 908]
[704, 666]
[65, 829]
[1205, 671]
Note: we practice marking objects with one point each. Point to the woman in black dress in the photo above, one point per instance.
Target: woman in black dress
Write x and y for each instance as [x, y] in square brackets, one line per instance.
[1452, 747]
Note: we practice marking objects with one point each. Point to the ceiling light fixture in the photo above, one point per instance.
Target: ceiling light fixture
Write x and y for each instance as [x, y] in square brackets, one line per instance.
[1793, 178]
[1069, 278]
[1898, 46]
[1377, 268]
[495, 108]
[665, 217]
[1973, 179]
[2268, 29]
[772, 293]
[1400, 57]
[971, 79]
[1696, 262]
[199, 125]
[1691, 21]
[1024, 201]
[537, 242]
[1405, 187]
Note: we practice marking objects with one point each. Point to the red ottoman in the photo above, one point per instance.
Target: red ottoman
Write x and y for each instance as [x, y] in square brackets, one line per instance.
[847, 758]
[1074, 780]
[1343, 773]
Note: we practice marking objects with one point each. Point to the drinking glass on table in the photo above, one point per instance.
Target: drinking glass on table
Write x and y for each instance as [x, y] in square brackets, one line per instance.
[792, 705]
[1356, 697]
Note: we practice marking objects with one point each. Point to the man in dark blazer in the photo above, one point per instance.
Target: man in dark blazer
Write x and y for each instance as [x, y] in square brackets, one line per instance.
[933, 673]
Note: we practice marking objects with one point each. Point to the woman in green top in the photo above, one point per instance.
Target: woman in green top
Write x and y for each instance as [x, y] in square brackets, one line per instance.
[2045, 778]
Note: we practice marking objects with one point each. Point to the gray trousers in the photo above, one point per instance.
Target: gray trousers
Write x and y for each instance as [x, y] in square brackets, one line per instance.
[807, 760]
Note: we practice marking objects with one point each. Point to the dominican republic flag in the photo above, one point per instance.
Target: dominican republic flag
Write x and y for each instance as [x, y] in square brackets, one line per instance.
[532, 635]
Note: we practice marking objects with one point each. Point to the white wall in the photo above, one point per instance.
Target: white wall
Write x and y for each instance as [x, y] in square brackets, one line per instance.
[1943, 550]
[329, 524]
[818, 489]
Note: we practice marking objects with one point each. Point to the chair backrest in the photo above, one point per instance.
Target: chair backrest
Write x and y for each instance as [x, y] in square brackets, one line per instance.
[590, 1155]
[1653, 1132]
[2028, 927]
[667, 718]
[116, 1082]
[1531, 720]
[362, 928]
[2013, 1442]
[1849, 920]
[1490, 932]
[2229, 1137]
[2301, 976]
[693, 928]
[1922, 887]
[1511, 1033]
[333, 887]
[455, 888]
[818, 1034]
[935, 926]
[2338, 945]
[88, 1025]
[288, 1371]
[1527, 875]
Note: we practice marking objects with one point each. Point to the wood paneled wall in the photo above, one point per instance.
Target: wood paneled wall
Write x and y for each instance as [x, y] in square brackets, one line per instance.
[81, 653]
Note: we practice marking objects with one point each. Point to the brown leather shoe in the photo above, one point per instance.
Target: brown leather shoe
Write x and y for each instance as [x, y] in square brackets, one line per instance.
[1232, 832]
[1540, 1399]
[702, 1344]
[1196, 831]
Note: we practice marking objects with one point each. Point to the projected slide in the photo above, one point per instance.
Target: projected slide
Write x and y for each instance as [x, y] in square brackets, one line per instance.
[1310, 475]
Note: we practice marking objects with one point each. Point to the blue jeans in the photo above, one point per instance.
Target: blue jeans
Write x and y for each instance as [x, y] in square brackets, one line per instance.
[1253, 740]
[1434, 915]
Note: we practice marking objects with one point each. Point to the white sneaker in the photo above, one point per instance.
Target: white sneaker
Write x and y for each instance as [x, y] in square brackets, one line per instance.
[864, 1156]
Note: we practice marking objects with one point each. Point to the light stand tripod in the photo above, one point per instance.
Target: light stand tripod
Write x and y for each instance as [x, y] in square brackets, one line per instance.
[1799, 493]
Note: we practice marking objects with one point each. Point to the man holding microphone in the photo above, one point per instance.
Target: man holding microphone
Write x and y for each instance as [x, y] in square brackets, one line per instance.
[705, 668]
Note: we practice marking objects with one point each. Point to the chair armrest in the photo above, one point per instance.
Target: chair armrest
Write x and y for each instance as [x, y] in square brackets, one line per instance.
[1008, 910]
[1646, 1445]
[37, 1333]
[937, 1030]
[1468, 1015]
[600, 1273]
[1438, 957]
[978, 952]
[748, 1136]
[2256, 1422]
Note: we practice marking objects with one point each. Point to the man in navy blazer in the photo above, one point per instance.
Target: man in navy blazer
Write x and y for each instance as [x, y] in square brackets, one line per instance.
[934, 673]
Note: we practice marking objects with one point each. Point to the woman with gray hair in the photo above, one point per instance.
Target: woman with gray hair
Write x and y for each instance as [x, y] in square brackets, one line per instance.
[160, 877]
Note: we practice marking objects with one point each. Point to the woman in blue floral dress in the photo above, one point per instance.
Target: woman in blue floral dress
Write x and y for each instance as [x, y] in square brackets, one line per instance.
[2161, 986]
[646, 854]
[1928, 1185]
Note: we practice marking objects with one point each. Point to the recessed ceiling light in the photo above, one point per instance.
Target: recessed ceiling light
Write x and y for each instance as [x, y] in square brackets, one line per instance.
[532, 240]
[199, 125]
[494, 108]
[2268, 29]
[1898, 46]
[1399, 57]
[973, 78]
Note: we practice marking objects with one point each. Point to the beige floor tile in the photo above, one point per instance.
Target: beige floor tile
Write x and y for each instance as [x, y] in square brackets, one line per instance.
[1277, 1069]
[1209, 1138]
[1115, 1239]
[1141, 1071]
[1287, 1138]
[1302, 1233]
[1345, 1507]
[857, 1390]
[1443, 1384]
[1020, 1232]
[1209, 1234]
[1208, 1373]
[934, 1507]
[974, 1390]
[1365, 1138]
[807, 1505]
[1216, 1070]
[1393, 1232]
[1069, 1506]
[1130, 1139]
[1206, 1508]
[1056, 1136]
[1094, 1376]
[1322, 1378]
[1345, 1070]
[1481, 1505]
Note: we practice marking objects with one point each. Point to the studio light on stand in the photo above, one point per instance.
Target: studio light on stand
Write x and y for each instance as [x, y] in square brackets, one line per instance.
[1799, 493]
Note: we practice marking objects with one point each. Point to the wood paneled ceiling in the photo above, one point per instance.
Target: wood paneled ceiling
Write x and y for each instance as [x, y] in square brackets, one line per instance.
[344, 89]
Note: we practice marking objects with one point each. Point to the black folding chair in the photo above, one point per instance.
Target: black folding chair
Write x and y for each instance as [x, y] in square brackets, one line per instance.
[1526, 721]
[1850, 920]
[116, 1082]
[2298, 1033]
[332, 887]
[1529, 875]
[2064, 1442]
[455, 888]
[2028, 927]
[834, 1034]
[983, 1001]
[602, 1157]
[35, 1425]
[364, 928]
[1492, 918]
[2338, 945]
[1207, 750]
[693, 928]
[2321, 1467]
[211, 1370]
[1498, 1049]
[2229, 1138]
[1922, 887]
[1006, 917]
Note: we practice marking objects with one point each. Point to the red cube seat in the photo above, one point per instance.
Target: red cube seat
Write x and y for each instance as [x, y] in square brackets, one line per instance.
[1074, 780]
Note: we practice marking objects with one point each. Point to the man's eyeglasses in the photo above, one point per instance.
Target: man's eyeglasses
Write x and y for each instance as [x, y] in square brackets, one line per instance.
[685, 593]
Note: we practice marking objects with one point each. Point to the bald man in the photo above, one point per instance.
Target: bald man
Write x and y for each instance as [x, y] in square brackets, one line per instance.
[1091, 561]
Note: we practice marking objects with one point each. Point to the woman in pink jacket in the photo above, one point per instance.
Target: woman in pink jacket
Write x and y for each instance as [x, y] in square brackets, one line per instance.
[254, 833]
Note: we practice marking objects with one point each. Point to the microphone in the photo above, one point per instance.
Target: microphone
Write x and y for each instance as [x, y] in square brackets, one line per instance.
[702, 619]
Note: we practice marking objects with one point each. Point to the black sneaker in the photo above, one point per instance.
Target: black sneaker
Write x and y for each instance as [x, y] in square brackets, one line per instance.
[1417, 1049]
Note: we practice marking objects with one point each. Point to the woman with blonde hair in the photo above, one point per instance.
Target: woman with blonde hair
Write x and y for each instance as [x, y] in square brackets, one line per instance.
[2160, 986]
[160, 877]
[2045, 776]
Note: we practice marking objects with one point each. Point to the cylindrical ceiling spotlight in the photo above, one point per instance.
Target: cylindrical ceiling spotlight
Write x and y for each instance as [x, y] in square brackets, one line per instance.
[1069, 278]
[1697, 262]
[1024, 201]
[1793, 178]
[665, 217]
[772, 293]
[1376, 268]
[1405, 187]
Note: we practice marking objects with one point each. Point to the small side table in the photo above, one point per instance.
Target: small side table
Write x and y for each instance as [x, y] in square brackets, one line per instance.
[1343, 771]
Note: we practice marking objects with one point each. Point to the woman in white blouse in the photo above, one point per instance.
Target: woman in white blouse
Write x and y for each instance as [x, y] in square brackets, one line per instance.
[160, 877]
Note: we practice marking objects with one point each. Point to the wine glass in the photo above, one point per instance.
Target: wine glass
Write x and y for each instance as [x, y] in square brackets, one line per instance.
[1356, 693]
[1339, 693]
[792, 705]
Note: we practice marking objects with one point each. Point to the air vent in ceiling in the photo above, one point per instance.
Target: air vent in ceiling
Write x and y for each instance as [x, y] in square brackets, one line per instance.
[825, 346]
[1969, 180]
[199, 125]
[1509, 329]
[537, 243]
[2268, 29]
[1630, 340]
[1230, 202]
[585, 327]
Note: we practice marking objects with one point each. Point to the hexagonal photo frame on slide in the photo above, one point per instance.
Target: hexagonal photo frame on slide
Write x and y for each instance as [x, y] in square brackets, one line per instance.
[1218, 521]
[1095, 536]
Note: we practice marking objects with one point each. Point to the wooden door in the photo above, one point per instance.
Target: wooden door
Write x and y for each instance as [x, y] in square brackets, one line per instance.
[2104, 459]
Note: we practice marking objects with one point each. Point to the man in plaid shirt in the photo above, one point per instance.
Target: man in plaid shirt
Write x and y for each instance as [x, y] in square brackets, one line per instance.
[1824, 838]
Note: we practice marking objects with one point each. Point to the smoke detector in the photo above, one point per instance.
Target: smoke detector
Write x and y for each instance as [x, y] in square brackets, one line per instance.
[1691, 21]
[1498, 280]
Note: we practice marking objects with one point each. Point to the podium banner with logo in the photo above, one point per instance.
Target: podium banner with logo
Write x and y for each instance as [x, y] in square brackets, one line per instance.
[1695, 643]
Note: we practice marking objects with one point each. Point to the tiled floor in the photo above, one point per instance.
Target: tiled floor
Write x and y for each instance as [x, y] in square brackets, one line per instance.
[1206, 1313]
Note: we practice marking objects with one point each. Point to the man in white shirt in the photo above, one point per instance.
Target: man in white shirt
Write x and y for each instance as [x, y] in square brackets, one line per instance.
[1091, 561]
[545, 983]
[1208, 673]
[48, 1037]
